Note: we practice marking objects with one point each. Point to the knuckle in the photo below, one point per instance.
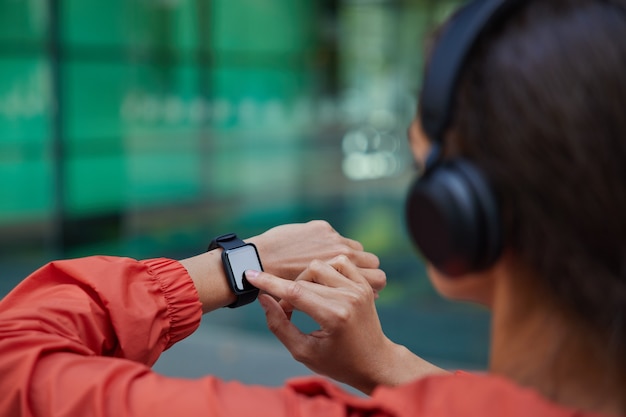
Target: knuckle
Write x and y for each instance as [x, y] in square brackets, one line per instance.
[344, 251]
[343, 314]
[362, 292]
[294, 290]
[315, 266]
[322, 224]
[342, 260]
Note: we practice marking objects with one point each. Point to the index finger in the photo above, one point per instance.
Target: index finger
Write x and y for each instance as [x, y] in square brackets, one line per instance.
[308, 294]
[291, 291]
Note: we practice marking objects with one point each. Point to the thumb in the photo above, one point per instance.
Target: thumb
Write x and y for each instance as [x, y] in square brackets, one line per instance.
[279, 323]
[287, 308]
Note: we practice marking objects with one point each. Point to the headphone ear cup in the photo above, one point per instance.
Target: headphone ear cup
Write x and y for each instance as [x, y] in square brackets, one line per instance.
[453, 218]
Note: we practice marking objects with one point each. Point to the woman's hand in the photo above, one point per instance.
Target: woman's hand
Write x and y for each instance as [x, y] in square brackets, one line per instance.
[350, 345]
[285, 251]
[288, 250]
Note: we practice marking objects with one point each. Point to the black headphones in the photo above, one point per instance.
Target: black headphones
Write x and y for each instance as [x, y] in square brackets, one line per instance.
[452, 214]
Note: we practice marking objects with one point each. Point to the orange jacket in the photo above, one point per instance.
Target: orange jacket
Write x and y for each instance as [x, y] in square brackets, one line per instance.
[78, 337]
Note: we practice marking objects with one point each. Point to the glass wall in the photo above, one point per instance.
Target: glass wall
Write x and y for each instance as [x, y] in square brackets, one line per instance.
[145, 127]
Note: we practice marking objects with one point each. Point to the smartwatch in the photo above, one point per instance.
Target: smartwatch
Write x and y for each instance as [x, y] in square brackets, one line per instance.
[238, 257]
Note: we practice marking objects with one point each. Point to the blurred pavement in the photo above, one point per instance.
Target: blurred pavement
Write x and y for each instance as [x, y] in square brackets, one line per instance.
[230, 355]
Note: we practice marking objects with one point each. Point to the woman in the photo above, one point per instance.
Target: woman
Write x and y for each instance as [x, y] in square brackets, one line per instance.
[538, 114]
[540, 111]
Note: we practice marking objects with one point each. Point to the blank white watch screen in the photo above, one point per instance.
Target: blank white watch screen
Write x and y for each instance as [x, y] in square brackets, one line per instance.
[242, 259]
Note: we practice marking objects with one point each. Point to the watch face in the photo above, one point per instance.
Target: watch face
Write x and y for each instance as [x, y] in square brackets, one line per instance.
[240, 260]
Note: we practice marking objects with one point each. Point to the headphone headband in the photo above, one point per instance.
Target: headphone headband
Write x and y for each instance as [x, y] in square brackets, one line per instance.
[448, 58]
[453, 215]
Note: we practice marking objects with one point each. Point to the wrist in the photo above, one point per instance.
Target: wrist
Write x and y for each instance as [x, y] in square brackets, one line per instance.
[405, 366]
[385, 373]
[238, 257]
[207, 274]
[272, 254]
[396, 365]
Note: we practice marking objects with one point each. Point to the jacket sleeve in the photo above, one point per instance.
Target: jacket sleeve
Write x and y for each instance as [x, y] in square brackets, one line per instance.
[74, 326]
[78, 337]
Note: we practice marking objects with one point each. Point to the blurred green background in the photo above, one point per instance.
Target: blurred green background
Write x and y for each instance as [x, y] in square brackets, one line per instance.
[144, 128]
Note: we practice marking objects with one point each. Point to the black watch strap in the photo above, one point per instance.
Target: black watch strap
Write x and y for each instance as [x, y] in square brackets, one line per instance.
[243, 299]
[227, 241]
[231, 241]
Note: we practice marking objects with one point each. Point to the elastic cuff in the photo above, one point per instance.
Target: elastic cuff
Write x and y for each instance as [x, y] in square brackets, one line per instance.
[183, 304]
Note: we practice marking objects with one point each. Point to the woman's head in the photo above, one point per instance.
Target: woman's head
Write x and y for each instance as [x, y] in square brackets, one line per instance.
[541, 110]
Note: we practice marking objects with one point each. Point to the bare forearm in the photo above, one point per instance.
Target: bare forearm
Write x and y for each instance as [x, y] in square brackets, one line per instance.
[400, 366]
[207, 273]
